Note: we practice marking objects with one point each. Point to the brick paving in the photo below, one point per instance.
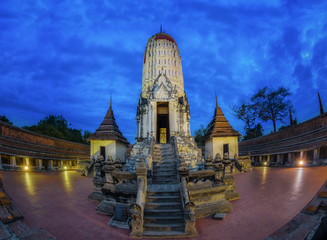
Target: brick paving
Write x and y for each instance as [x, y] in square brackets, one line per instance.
[270, 197]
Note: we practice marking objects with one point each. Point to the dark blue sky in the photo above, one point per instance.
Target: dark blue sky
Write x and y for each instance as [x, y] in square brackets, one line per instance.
[66, 57]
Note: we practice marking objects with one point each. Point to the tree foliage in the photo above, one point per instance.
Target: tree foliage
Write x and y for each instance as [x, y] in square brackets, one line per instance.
[199, 135]
[5, 119]
[271, 104]
[256, 131]
[57, 126]
[267, 104]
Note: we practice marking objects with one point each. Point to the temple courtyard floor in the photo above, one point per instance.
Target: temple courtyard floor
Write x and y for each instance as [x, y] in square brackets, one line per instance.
[270, 197]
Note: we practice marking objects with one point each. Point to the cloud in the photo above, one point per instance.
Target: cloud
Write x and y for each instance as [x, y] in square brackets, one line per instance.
[67, 57]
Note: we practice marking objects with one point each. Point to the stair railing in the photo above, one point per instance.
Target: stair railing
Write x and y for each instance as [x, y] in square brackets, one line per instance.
[137, 208]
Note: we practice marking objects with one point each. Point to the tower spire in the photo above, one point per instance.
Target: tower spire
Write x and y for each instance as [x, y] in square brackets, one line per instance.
[110, 107]
[160, 28]
[216, 99]
[320, 104]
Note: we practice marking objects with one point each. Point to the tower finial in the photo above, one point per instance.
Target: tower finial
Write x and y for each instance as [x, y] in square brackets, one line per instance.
[110, 107]
[160, 28]
[216, 99]
[320, 105]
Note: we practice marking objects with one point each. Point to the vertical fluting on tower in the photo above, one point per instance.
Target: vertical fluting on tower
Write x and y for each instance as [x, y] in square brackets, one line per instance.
[161, 55]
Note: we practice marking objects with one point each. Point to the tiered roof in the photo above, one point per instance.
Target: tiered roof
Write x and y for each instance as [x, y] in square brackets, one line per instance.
[219, 126]
[108, 129]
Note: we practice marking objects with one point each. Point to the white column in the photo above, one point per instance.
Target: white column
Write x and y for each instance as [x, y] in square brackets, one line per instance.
[315, 156]
[61, 163]
[268, 160]
[13, 161]
[153, 117]
[260, 160]
[172, 118]
[27, 161]
[278, 159]
[51, 164]
[40, 164]
[144, 122]
[302, 155]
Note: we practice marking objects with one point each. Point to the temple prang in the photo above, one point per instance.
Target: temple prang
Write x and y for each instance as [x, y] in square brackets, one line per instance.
[166, 182]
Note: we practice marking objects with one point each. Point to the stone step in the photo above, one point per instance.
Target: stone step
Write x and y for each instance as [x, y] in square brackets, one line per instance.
[163, 205]
[163, 234]
[163, 193]
[163, 212]
[163, 219]
[166, 179]
[164, 165]
[163, 189]
[165, 168]
[157, 199]
[164, 226]
[164, 174]
[165, 182]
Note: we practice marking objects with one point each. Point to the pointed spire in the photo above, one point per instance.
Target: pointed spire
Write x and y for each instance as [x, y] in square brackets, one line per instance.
[291, 117]
[110, 107]
[320, 104]
[219, 126]
[216, 99]
[108, 129]
[160, 28]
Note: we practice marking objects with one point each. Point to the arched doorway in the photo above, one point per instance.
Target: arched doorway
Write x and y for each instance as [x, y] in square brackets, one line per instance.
[162, 122]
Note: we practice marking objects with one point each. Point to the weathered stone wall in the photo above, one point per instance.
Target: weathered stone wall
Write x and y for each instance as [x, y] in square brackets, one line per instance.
[305, 136]
[20, 142]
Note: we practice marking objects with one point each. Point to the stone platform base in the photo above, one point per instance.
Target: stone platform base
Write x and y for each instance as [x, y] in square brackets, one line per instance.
[96, 197]
[210, 208]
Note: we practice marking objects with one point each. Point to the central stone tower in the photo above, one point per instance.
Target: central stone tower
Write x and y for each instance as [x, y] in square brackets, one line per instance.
[163, 110]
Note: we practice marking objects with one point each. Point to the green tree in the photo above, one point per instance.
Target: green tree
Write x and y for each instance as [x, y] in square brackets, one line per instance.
[245, 113]
[271, 104]
[256, 131]
[57, 126]
[200, 134]
[86, 135]
[5, 119]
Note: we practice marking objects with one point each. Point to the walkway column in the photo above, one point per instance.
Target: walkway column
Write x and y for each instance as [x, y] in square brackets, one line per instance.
[278, 159]
[51, 164]
[27, 161]
[316, 156]
[0, 162]
[289, 158]
[13, 161]
[302, 155]
[260, 160]
[61, 164]
[40, 164]
[268, 160]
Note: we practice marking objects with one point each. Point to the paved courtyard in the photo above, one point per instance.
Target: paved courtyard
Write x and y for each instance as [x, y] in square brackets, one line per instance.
[270, 197]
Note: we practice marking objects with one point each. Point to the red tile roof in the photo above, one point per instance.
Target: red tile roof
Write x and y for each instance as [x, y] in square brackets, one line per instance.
[219, 126]
[159, 36]
[108, 129]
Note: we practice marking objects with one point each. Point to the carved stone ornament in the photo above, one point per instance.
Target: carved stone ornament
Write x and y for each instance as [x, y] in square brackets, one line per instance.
[189, 211]
[136, 211]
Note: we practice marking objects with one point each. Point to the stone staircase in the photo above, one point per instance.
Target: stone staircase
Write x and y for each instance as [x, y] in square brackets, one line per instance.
[163, 211]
